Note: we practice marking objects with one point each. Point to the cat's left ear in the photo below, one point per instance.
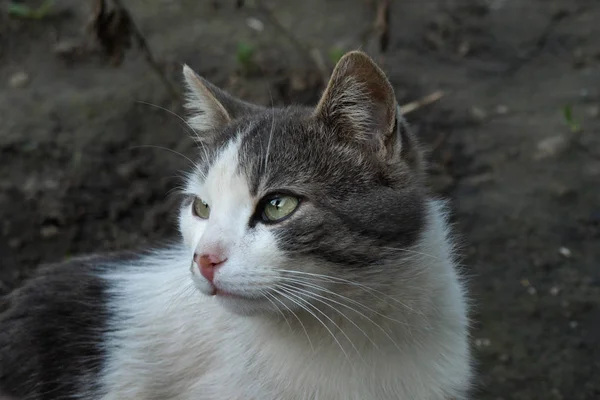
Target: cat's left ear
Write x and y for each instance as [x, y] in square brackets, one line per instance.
[359, 104]
[211, 108]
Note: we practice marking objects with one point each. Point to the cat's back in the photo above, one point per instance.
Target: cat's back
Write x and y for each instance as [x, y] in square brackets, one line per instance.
[52, 330]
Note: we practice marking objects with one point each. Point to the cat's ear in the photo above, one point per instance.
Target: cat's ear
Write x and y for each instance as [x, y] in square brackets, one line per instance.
[359, 102]
[211, 108]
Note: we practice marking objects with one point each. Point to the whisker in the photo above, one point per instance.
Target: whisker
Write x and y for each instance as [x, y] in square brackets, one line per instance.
[386, 333]
[192, 130]
[301, 303]
[164, 148]
[295, 316]
[187, 125]
[175, 189]
[266, 296]
[412, 251]
[270, 135]
[341, 280]
[324, 289]
[324, 325]
[317, 297]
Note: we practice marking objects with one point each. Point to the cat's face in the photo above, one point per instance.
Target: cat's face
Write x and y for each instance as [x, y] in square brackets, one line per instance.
[288, 206]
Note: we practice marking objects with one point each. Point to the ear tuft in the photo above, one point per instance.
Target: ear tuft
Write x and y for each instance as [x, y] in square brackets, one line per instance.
[211, 108]
[207, 112]
[359, 102]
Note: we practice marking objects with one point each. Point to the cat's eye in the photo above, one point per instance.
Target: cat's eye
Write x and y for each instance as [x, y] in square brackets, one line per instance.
[200, 208]
[278, 207]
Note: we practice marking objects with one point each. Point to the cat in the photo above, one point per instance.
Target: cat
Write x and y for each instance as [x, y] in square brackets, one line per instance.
[313, 264]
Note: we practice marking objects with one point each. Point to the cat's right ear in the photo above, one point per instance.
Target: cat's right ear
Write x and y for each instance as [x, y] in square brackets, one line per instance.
[211, 108]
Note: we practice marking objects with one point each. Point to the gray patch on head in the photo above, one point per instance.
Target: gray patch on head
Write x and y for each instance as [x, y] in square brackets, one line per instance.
[352, 160]
[361, 207]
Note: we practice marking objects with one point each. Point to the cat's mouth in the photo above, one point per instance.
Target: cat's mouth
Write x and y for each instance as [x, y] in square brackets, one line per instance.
[222, 293]
[234, 296]
[219, 292]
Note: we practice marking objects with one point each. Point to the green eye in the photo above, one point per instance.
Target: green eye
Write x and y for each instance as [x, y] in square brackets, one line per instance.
[279, 207]
[200, 208]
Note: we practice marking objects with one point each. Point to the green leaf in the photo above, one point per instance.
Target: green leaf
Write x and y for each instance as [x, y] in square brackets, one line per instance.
[570, 119]
[335, 54]
[19, 10]
[245, 54]
[23, 11]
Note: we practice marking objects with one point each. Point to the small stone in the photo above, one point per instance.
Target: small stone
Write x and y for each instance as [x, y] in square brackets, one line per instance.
[477, 180]
[19, 80]
[504, 357]
[66, 48]
[525, 282]
[255, 24]
[550, 147]
[464, 48]
[501, 109]
[573, 324]
[30, 186]
[531, 290]
[49, 231]
[563, 191]
[554, 291]
[565, 252]
[50, 184]
[478, 113]
[593, 111]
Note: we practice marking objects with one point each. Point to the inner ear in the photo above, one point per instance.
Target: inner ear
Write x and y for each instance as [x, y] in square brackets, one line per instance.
[212, 108]
[359, 101]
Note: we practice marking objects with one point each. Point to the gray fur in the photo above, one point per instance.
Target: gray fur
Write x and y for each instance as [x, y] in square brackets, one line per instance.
[52, 331]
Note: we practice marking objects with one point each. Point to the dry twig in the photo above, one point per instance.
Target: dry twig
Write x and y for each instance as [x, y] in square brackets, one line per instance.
[415, 105]
[113, 29]
[382, 25]
[377, 33]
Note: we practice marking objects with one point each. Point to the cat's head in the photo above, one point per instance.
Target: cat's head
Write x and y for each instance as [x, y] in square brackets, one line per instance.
[289, 204]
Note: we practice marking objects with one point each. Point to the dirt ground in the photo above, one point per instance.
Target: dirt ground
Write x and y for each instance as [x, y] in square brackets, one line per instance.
[84, 166]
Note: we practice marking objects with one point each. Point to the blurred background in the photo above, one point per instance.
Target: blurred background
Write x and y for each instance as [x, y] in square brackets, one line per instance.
[504, 93]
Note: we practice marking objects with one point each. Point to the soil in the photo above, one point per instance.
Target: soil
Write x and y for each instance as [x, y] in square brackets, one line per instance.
[86, 164]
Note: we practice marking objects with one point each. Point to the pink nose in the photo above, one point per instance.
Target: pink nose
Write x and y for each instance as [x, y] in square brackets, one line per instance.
[208, 264]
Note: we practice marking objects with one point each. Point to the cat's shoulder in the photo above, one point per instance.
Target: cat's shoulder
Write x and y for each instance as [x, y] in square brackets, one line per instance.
[60, 313]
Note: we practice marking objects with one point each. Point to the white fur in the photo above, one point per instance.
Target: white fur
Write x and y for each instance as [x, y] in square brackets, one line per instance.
[172, 341]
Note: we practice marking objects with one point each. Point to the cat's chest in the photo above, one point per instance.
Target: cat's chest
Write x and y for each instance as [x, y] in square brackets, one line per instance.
[286, 385]
[237, 359]
[273, 372]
